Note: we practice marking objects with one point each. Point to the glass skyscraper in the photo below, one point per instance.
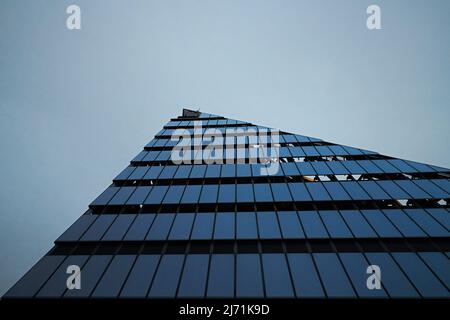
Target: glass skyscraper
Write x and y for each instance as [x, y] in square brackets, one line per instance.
[315, 219]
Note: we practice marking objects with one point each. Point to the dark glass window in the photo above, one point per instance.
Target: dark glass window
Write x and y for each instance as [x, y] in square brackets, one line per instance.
[244, 193]
[140, 226]
[355, 191]
[122, 196]
[213, 171]
[156, 195]
[119, 227]
[243, 170]
[402, 165]
[106, 195]
[209, 193]
[248, 276]
[440, 265]
[281, 192]
[56, 285]
[198, 171]
[290, 169]
[404, 223]
[305, 169]
[263, 192]
[369, 166]
[310, 151]
[393, 190]
[193, 280]
[227, 193]
[333, 275]
[353, 167]
[221, 276]
[380, 223]
[317, 191]
[125, 173]
[99, 227]
[138, 173]
[228, 171]
[183, 172]
[290, 225]
[442, 216]
[191, 194]
[224, 228]
[386, 166]
[312, 224]
[161, 226]
[153, 172]
[358, 224]
[337, 167]
[168, 172]
[419, 274]
[140, 277]
[321, 167]
[167, 276]
[431, 188]
[374, 190]
[139, 195]
[276, 275]
[356, 266]
[304, 275]
[91, 273]
[114, 277]
[246, 225]
[336, 191]
[334, 224]
[174, 194]
[299, 192]
[140, 156]
[203, 226]
[427, 223]
[182, 226]
[412, 189]
[78, 228]
[268, 225]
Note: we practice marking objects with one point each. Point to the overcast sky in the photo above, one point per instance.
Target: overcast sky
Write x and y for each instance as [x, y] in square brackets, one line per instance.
[76, 106]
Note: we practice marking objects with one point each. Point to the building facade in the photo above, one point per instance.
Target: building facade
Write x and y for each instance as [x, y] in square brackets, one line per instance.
[219, 208]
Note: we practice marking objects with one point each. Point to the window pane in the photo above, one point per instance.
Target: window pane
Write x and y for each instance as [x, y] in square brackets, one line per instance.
[124, 174]
[333, 275]
[246, 225]
[140, 277]
[281, 192]
[224, 228]
[355, 191]
[374, 191]
[161, 226]
[248, 276]
[396, 284]
[290, 225]
[139, 228]
[335, 225]
[227, 193]
[166, 278]
[304, 275]
[209, 193]
[306, 169]
[174, 194]
[312, 224]
[153, 172]
[404, 223]
[119, 227]
[191, 194]
[139, 195]
[74, 232]
[138, 173]
[228, 171]
[336, 191]
[221, 276]
[369, 166]
[299, 192]
[358, 224]
[182, 226]
[420, 275]
[393, 190]
[156, 195]
[243, 170]
[104, 198]
[440, 265]
[168, 172]
[263, 192]
[193, 280]
[56, 285]
[353, 167]
[428, 224]
[203, 226]
[317, 191]
[356, 266]
[213, 171]
[402, 165]
[99, 227]
[321, 167]
[91, 273]
[412, 189]
[290, 169]
[337, 167]
[268, 225]
[276, 275]
[183, 172]
[198, 171]
[244, 193]
[122, 196]
[111, 282]
[442, 216]
[386, 166]
[431, 188]
[381, 224]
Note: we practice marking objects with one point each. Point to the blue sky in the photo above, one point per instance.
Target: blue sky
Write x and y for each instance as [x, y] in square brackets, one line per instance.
[76, 106]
